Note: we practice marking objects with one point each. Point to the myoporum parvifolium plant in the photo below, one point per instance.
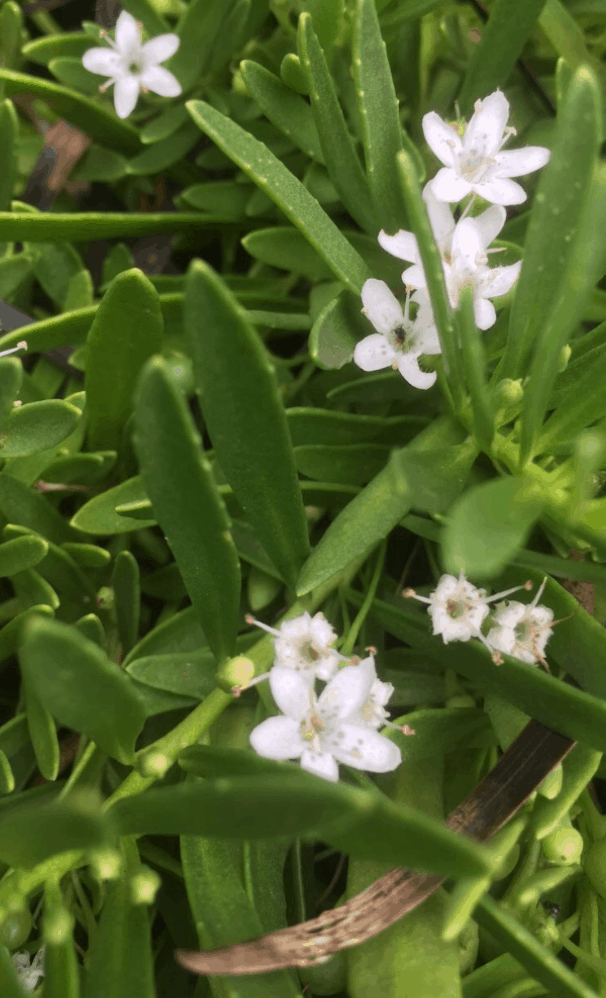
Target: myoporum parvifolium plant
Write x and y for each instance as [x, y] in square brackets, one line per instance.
[302, 499]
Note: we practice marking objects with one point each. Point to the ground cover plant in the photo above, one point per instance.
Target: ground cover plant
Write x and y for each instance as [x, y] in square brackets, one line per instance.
[302, 468]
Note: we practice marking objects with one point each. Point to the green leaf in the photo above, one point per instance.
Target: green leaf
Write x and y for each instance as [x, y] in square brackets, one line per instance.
[580, 406]
[164, 124]
[42, 50]
[10, 635]
[126, 330]
[32, 832]
[54, 227]
[188, 673]
[338, 149]
[81, 687]
[509, 26]
[245, 418]
[474, 368]
[127, 593]
[99, 515]
[9, 134]
[166, 152]
[579, 766]
[349, 463]
[554, 219]
[199, 29]
[47, 334]
[336, 331]
[285, 248]
[285, 109]
[221, 198]
[9, 979]
[272, 177]
[102, 125]
[69, 70]
[435, 477]
[323, 426]
[488, 526]
[379, 117]
[99, 164]
[30, 508]
[21, 553]
[37, 426]
[187, 503]
[13, 271]
[61, 973]
[43, 734]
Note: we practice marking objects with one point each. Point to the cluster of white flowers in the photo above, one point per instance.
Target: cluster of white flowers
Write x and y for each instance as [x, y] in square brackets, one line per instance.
[458, 610]
[29, 972]
[132, 66]
[473, 165]
[339, 725]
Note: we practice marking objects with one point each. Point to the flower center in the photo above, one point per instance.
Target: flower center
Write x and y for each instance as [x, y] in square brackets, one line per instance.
[135, 67]
[311, 726]
[456, 608]
[309, 653]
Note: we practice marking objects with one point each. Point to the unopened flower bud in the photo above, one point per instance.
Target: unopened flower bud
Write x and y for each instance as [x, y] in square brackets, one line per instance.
[565, 353]
[235, 675]
[144, 885]
[563, 846]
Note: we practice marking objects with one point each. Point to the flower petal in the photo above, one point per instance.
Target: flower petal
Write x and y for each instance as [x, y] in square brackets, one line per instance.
[483, 313]
[160, 81]
[484, 133]
[499, 281]
[517, 162]
[292, 694]
[381, 306]
[509, 613]
[448, 186]
[364, 748]
[440, 218]
[345, 694]
[320, 763]
[403, 244]
[160, 48]
[501, 639]
[277, 738]
[408, 366]
[128, 33]
[321, 631]
[490, 223]
[467, 246]
[374, 353]
[126, 94]
[441, 138]
[500, 190]
[102, 61]
[414, 277]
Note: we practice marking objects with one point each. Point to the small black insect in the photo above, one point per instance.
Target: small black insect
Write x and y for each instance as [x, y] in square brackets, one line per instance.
[400, 334]
[553, 908]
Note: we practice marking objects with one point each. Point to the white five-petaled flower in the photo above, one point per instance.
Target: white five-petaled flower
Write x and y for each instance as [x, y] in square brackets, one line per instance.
[458, 609]
[133, 66]
[305, 644]
[29, 973]
[20, 346]
[399, 341]
[323, 731]
[475, 163]
[464, 251]
[373, 711]
[522, 631]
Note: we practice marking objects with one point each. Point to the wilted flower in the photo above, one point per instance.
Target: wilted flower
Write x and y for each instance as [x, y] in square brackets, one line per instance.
[20, 346]
[475, 163]
[323, 731]
[133, 66]
[399, 340]
[458, 609]
[522, 631]
[29, 972]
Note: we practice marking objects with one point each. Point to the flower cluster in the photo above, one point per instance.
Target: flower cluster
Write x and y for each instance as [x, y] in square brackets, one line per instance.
[474, 164]
[338, 725]
[458, 610]
[30, 969]
[132, 66]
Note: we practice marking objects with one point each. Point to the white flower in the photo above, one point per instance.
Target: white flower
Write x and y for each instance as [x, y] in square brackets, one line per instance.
[475, 161]
[20, 346]
[305, 644]
[399, 341]
[522, 631]
[464, 252]
[132, 66]
[29, 973]
[458, 609]
[373, 711]
[322, 731]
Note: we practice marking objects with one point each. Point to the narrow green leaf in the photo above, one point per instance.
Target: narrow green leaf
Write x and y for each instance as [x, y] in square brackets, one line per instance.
[42, 50]
[81, 687]
[99, 515]
[474, 367]
[126, 330]
[10, 635]
[488, 526]
[188, 673]
[554, 219]
[61, 974]
[579, 767]
[272, 177]
[349, 463]
[11, 378]
[198, 30]
[147, 13]
[339, 152]
[43, 734]
[435, 477]
[70, 71]
[221, 198]
[323, 426]
[186, 501]
[37, 426]
[164, 124]
[9, 979]
[101, 124]
[166, 152]
[32, 832]
[9, 133]
[285, 109]
[21, 553]
[509, 26]
[336, 331]
[55, 227]
[30, 508]
[578, 407]
[125, 583]
[245, 418]
[379, 117]
[7, 777]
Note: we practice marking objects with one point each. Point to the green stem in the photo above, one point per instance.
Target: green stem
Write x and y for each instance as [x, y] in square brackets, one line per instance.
[354, 630]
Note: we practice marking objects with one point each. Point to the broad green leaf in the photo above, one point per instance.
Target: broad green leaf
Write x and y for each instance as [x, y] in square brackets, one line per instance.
[339, 152]
[285, 109]
[509, 26]
[166, 152]
[562, 191]
[9, 133]
[126, 330]
[435, 477]
[21, 553]
[54, 227]
[120, 956]
[31, 509]
[81, 687]
[186, 501]
[378, 114]
[488, 525]
[245, 418]
[102, 125]
[34, 831]
[349, 463]
[61, 971]
[125, 583]
[37, 426]
[272, 177]
[190, 674]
